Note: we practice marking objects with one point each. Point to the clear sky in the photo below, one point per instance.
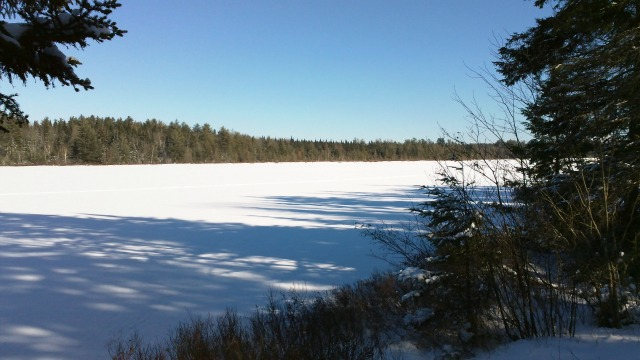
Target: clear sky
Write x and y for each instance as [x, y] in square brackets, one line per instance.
[307, 69]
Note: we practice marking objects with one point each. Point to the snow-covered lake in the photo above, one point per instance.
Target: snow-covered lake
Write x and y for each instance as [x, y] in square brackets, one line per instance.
[91, 252]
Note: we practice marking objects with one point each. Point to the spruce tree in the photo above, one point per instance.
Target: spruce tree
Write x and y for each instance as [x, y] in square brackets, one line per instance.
[584, 60]
[583, 63]
[87, 147]
[29, 46]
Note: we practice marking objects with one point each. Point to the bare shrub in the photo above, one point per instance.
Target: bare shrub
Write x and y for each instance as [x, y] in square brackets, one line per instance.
[350, 322]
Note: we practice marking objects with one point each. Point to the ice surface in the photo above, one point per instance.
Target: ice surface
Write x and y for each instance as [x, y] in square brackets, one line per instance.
[91, 252]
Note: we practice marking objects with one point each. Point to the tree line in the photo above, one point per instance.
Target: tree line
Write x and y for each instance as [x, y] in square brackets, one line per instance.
[96, 140]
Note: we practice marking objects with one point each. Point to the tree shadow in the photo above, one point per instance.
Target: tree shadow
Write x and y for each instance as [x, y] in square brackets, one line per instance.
[70, 283]
[342, 209]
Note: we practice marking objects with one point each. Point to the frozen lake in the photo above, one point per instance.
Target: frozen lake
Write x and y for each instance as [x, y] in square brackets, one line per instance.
[90, 252]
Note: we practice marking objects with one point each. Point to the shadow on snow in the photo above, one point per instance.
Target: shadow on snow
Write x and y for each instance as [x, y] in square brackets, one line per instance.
[69, 283]
[342, 209]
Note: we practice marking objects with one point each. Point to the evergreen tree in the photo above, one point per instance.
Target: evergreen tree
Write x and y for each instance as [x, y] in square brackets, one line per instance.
[176, 143]
[87, 147]
[29, 47]
[583, 62]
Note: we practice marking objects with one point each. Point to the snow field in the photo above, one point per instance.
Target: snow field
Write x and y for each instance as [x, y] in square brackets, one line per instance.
[92, 252]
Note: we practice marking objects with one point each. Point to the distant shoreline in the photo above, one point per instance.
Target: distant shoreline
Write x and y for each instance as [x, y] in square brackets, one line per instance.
[108, 141]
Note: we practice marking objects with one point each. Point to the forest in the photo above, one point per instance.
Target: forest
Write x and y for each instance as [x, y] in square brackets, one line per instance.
[96, 140]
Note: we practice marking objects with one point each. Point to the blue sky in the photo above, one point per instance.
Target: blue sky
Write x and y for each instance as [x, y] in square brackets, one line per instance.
[307, 69]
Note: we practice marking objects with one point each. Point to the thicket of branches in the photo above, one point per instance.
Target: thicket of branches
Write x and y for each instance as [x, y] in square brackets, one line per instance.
[503, 249]
[93, 140]
[530, 246]
[349, 322]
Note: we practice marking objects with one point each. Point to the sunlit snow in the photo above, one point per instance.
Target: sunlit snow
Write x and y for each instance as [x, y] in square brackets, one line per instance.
[88, 253]
[92, 252]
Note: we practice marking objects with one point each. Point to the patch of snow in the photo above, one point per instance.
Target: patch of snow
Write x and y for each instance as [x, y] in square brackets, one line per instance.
[15, 30]
[411, 294]
[65, 18]
[418, 317]
[412, 273]
[55, 52]
[98, 31]
[588, 344]
[10, 39]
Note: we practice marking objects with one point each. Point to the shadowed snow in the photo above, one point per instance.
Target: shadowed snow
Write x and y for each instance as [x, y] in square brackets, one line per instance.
[88, 253]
